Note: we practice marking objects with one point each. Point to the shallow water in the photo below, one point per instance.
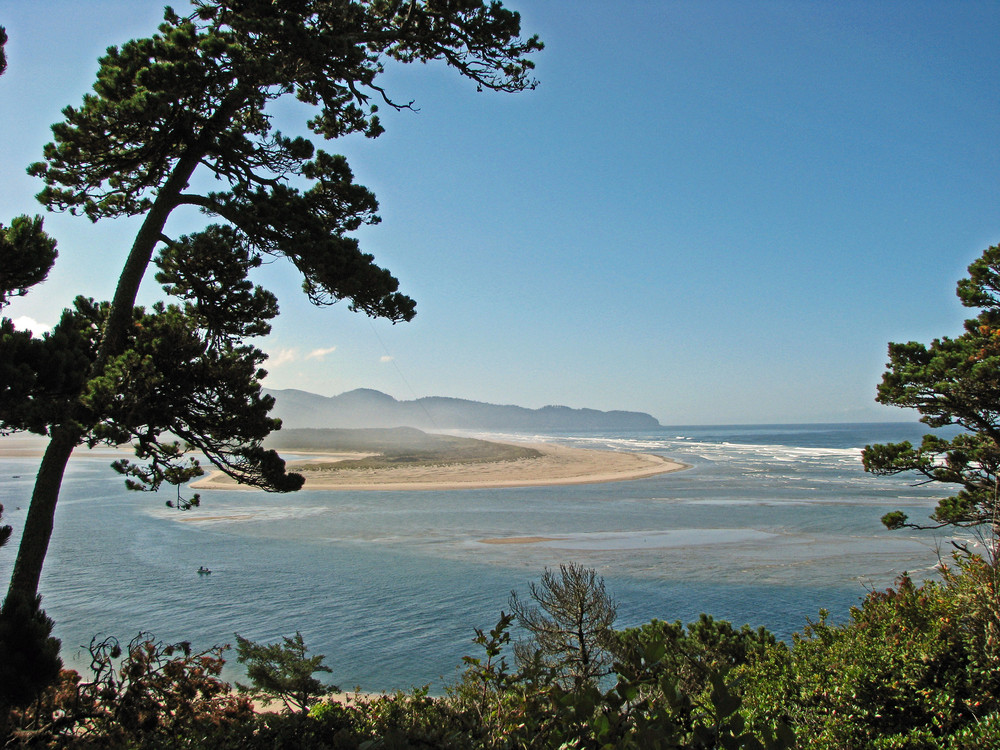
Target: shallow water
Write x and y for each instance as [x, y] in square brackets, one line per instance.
[769, 525]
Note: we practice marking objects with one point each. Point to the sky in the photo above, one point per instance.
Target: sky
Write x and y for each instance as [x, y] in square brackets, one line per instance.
[714, 212]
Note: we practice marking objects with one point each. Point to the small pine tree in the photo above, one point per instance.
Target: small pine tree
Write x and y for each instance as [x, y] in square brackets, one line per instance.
[570, 624]
[283, 671]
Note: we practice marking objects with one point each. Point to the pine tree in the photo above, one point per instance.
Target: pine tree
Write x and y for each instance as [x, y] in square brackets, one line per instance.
[953, 382]
[195, 98]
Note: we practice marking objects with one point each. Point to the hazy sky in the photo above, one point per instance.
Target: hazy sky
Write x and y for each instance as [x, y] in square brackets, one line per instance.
[714, 212]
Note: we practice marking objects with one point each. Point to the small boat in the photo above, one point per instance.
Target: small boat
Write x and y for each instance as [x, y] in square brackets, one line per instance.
[203, 571]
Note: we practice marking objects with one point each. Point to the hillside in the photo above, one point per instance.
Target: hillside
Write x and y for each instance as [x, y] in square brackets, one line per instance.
[365, 408]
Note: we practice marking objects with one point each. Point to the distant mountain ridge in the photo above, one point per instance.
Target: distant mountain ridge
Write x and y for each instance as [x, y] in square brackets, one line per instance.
[367, 408]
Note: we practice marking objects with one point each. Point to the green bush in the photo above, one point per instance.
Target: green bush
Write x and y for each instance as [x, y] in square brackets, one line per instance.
[29, 655]
[914, 667]
[646, 707]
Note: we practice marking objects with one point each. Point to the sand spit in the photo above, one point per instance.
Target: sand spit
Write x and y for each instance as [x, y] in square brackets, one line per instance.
[557, 465]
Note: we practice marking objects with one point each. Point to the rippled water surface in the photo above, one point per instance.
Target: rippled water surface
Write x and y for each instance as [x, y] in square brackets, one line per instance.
[769, 524]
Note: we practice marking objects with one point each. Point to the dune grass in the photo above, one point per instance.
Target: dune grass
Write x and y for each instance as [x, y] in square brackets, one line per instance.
[393, 447]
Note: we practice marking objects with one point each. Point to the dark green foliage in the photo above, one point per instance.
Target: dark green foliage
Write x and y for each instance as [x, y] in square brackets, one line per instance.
[181, 375]
[29, 655]
[647, 707]
[414, 719]
[487, 692]
[682, 674]
[915, 667]
[689, 656]
[329, 726]
[3, 55]
[27, 254]
[569, 625]
[35, 374]
[197, 385]
[309, 228]
[283, 672]
[208, 271]
[41, 379]
[953, 381]
[187, 372]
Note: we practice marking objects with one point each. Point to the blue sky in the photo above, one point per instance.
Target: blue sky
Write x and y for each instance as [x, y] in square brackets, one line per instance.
[714, 212]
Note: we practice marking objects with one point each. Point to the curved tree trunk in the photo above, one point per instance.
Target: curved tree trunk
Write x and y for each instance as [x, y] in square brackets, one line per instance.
[123, 303]
[41, 512]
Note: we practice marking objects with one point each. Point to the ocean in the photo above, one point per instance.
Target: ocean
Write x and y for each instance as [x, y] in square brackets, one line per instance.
[770, 524]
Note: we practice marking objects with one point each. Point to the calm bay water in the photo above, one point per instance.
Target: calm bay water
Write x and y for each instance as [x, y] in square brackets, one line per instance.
[770, 524]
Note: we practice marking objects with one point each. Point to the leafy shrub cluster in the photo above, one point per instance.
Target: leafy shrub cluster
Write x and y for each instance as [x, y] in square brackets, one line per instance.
[144, 695]
[915, 666]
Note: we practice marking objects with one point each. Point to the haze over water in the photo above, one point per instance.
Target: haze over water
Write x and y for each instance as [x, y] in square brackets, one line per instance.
[770, 524]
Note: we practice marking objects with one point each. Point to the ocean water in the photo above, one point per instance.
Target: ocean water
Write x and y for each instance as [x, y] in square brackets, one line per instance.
[770, 524]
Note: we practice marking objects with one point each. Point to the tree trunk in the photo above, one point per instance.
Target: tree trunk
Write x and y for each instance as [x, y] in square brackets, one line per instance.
[41, 512]
[149, 235]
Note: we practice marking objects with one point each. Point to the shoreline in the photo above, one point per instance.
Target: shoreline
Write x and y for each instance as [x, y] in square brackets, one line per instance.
[558, 465]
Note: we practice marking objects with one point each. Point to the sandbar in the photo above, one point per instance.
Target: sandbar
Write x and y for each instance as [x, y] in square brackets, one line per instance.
[519, 540]
[557, 465]
[645, 539]
[27, 445]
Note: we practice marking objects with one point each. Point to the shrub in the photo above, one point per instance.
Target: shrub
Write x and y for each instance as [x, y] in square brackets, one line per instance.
[647, 706]
[147, 695]
[29, 655]
[915, 667]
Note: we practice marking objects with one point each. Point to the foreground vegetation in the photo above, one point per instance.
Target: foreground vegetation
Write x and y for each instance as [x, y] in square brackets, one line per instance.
[913, 667]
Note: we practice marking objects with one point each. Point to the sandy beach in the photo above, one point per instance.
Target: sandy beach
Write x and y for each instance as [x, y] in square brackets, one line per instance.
[556, 465]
